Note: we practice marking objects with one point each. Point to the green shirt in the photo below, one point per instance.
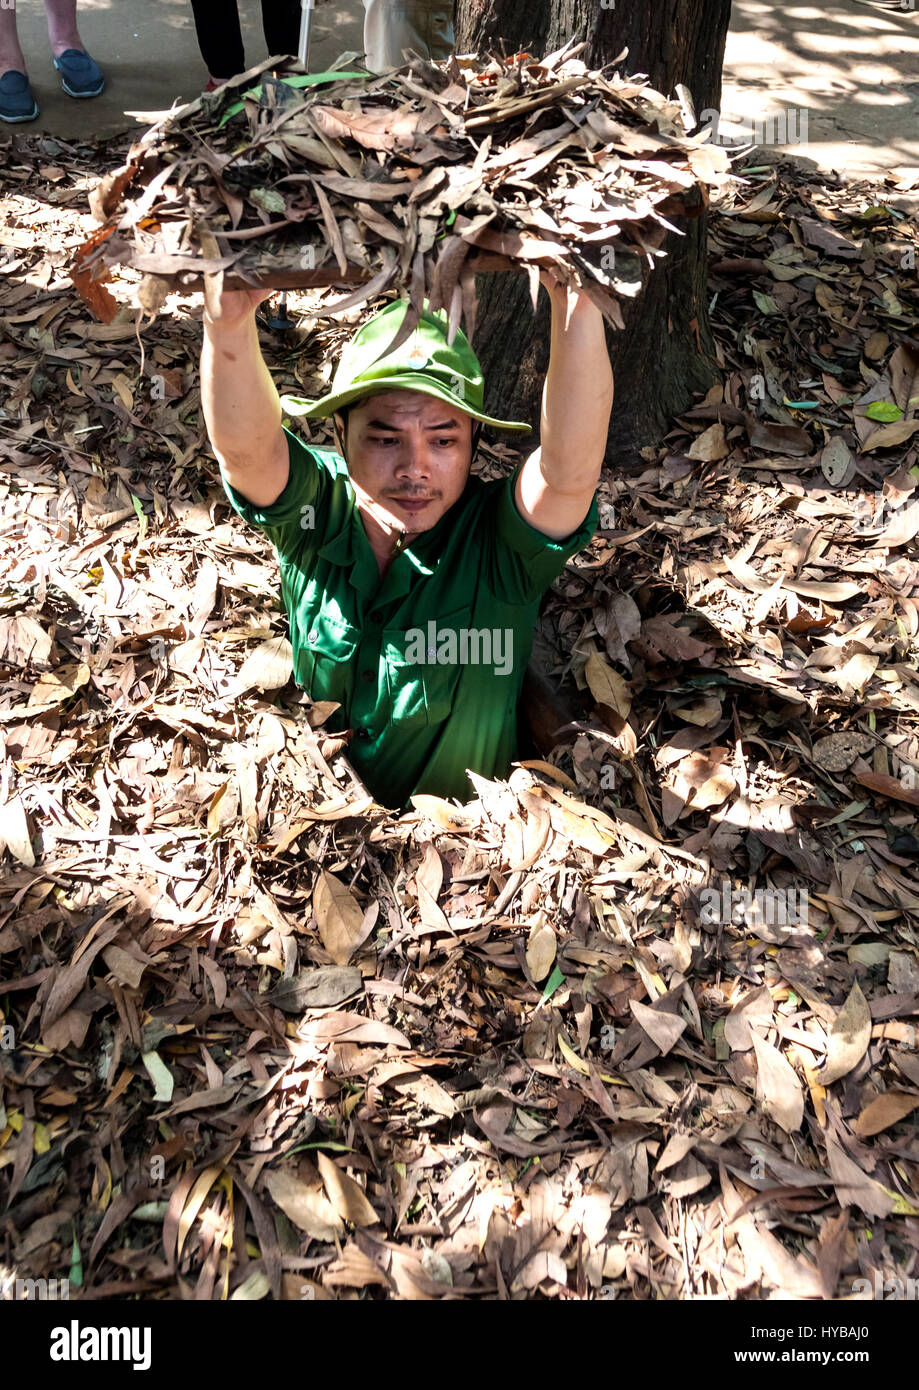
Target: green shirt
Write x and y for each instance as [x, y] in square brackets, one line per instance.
[427, 663]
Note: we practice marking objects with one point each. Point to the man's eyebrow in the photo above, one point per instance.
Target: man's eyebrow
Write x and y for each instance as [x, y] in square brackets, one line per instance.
[397, 429]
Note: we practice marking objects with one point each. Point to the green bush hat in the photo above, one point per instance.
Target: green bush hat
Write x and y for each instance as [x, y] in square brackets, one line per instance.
[424, 362]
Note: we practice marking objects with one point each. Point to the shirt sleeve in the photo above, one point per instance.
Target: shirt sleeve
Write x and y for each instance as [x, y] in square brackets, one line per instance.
[297, 518]
[525, 562]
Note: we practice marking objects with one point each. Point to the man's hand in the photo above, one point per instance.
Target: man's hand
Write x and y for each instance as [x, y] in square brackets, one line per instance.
[235, 307]
[565, 299]
[555, 289]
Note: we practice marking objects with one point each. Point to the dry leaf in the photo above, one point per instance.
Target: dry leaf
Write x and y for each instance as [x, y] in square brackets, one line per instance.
[885, 1110]
[777, 1086]
[888, 436]
[606, 686]
[441, 812]
[349, 1200]
[23, 642]
[710, 445]
[836, 462]
[269, 667]
[14, 832]
[663, 1029]
[902, 529]
[904, 378]
[430, 873]
[305, 1206]
[757, 1009]
[885, 785]
[541, 948]
[853, 1186]
[703, 713]
[423, 1090]
[849, 1038]
[623, 623]
[342, 923]
[317, 989]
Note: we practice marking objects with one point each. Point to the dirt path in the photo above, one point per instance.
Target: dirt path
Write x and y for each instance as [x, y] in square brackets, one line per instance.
[852, 67]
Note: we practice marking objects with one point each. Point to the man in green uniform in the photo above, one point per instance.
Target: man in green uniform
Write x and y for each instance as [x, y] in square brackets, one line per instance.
[412, 588]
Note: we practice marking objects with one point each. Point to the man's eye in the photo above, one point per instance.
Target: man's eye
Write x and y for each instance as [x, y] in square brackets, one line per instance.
[447, 442]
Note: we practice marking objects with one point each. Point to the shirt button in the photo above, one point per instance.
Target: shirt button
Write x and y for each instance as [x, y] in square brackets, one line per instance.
[314, 636]
[367, 675]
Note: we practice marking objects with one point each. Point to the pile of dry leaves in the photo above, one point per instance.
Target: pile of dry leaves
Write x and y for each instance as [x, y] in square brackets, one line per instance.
[400, 181]
[641, 1023]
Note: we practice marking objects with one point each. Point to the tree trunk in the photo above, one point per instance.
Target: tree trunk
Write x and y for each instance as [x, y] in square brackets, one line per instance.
[665, 352]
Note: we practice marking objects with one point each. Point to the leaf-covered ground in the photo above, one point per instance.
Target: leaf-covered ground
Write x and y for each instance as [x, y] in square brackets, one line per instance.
[261, 1038]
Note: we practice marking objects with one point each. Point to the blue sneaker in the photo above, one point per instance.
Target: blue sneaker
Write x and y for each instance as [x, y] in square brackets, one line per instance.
[81, 75]
[17, 102]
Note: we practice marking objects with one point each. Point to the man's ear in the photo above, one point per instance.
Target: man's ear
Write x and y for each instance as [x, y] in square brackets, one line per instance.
[340, 432]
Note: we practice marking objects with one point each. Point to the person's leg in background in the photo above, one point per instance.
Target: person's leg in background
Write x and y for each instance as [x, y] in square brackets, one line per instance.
[17, 100]
[61, 16]
[80, 74]
[392, 25]
[281, 24]
[12, 58]
[219, 38]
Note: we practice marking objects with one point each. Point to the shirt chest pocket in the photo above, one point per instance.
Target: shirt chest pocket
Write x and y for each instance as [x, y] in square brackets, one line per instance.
[326, 656]
[422, 668]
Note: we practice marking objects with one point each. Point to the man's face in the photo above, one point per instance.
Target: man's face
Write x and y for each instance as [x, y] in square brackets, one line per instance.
[410, 454]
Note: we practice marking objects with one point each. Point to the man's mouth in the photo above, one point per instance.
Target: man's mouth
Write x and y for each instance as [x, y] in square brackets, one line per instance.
[412, 504]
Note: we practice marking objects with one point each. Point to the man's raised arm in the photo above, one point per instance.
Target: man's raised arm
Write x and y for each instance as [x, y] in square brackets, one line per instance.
[242, 409]
[557, 483]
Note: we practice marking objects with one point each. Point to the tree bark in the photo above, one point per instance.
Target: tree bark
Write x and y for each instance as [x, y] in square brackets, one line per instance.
[665, 352]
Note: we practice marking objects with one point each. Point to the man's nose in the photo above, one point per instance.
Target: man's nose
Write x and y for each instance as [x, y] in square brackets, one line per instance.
[414, 457]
